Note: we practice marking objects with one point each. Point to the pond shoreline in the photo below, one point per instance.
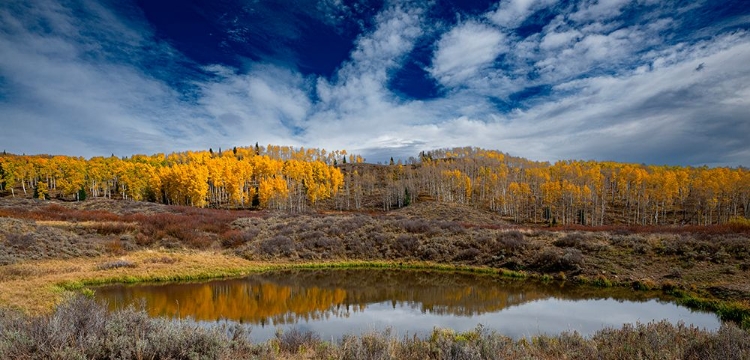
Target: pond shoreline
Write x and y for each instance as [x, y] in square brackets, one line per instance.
[347, 301]
[51, 282]
[82, 328]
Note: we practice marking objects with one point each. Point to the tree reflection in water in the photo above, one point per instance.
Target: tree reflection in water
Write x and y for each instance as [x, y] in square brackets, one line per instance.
[288, 297]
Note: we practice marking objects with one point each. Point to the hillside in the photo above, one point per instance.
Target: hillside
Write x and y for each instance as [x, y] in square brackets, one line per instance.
[300, 180]
[711, 260]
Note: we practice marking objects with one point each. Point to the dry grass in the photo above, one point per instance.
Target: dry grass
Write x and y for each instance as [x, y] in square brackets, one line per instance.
[710, 261]
[35, 286]
[83, 329]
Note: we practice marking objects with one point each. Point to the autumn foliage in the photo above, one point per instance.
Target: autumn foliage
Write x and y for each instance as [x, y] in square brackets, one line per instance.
[567, 193]
[277, 177]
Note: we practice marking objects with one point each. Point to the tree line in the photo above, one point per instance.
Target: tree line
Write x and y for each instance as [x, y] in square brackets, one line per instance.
[566, 192]
[276, 177]
[288, 178]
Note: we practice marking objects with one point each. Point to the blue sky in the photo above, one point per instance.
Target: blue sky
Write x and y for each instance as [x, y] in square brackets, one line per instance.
[644, 81]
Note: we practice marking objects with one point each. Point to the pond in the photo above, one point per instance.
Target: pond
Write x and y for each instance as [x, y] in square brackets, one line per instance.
[333, 303]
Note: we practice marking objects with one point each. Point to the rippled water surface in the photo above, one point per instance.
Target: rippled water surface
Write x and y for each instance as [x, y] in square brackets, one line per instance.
[337, 302]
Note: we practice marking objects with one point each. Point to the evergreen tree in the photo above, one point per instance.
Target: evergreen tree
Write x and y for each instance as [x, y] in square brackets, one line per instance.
[81, 194]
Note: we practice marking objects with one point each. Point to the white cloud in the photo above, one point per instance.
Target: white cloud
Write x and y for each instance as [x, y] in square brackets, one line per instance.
[512, 13]
[556, 40]
[356, 111]
[68, 95]
[659, 115]
[267, 103]
[649, 115]
[617, 90]
[599, 10]
[464, 50]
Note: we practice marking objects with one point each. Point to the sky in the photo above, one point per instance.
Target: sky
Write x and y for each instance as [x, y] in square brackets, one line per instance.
[638, 81]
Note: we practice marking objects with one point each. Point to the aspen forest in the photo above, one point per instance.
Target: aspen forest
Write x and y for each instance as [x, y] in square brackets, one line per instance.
[297, 179]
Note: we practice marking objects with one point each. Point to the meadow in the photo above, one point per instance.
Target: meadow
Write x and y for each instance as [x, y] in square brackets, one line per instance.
[52, 252]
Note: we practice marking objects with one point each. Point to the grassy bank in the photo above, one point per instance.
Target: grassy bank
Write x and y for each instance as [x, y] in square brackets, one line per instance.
[81, 328]
[37, 286]
[49, 250]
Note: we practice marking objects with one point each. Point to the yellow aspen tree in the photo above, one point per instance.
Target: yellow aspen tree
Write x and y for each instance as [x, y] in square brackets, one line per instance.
[9, 174]
[42, 190]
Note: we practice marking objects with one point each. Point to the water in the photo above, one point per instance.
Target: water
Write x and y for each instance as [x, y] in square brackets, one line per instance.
[333, 303]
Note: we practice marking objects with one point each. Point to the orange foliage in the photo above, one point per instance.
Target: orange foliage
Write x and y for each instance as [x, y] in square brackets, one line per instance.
[564, 193]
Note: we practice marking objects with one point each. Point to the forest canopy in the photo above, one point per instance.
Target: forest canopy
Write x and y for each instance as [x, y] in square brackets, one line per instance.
[293, 179]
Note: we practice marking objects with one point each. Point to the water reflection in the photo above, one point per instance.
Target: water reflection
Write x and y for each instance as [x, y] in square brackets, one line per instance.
[336, 302]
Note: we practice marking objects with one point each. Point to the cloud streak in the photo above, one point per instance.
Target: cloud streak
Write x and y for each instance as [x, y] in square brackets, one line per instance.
[636, 81]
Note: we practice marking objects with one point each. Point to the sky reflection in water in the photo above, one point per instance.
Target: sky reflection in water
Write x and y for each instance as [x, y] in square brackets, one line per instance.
[337, 302]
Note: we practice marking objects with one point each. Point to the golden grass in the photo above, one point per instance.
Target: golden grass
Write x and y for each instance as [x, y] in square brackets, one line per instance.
[37, 286]
[82, 224]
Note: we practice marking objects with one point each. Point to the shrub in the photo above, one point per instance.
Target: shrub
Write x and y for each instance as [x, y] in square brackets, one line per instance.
[406, 245]
[454, 227]
[572, 259]
[601, 281]
[511, 241]
[115, 247]
[428, 253]
[415, 226]
[584, 242]
[728, 343]
[570, 241]
[555, 260]
[627, 242]
[644, 284]
[162, 260]
[467, 255]
[690, 248]
[320, 247]
[738, 246]
[371, 346]
[295, 340]
[721, 256]
[284, 229]
[144, 240]
[359, 248]
[198, 241]
[539, 233]
[81, 328]
[235, 238]
[21, 241]
[277, 245]
[310, 236]
[485, 241]
[380, 238]
[113, 228]
[116, 265]
[352, 224]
